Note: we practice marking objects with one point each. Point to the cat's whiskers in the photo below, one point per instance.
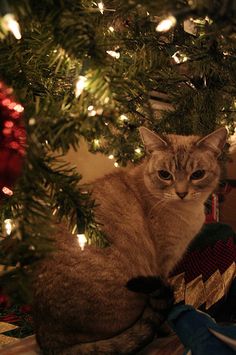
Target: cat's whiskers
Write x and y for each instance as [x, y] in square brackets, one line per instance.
[170, 196]
[161, 202]
[152, 195]
[195, 195]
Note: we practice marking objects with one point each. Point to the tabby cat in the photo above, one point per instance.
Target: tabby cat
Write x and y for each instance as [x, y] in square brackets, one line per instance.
[150, 213]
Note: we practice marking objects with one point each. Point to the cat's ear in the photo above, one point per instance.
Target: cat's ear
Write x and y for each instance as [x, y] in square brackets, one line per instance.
[214, 141]
[151, 140]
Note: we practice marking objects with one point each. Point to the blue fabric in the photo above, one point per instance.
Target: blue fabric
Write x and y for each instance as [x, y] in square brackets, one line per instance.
[192, 327]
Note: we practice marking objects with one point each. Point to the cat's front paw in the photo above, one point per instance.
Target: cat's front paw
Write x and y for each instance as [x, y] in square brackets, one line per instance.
[145, 284]
[162, 299]
[160, 294]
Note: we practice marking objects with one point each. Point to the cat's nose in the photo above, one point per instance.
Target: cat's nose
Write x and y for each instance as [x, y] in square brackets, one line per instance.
[182, 194]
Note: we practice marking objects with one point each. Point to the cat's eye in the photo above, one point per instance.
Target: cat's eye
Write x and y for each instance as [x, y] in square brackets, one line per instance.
[164, 175]
[197, 175]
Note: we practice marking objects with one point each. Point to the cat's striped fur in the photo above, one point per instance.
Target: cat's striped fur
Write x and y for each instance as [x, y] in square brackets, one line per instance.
[150, 214]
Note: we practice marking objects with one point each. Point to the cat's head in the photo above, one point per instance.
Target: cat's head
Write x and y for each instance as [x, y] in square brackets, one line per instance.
[182, 168]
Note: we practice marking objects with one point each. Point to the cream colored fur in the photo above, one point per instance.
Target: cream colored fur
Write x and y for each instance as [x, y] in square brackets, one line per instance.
[81, 296]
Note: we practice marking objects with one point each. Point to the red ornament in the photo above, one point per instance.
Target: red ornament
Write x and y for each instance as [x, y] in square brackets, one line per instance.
[212, 209]
[25, 308]
[4, 300]
[12, 140]
[10, 318]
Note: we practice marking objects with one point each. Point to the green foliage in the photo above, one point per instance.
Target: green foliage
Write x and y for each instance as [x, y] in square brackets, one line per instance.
[62, 40]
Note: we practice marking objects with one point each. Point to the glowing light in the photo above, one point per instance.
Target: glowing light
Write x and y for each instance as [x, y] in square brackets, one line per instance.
[14, 145]
[15, 115]
[114, 54]
[7, 131]
[179, 57]
[99, 111]
[116, 164]
[138, 150]
[101, 7]
[6, 102]
[166, 24]
[19, 108]
[8, 225]
[32, 121]
[96, 142]
[111, 156]
[10, 24]
[8, 124]
[90, 108]
[80, 85]
[12, 105]
[7, 191]
[123, 118]
[55, 211]
[111, 29]
[106, 100]
[74, 229]
[92, 113]
[82, 240]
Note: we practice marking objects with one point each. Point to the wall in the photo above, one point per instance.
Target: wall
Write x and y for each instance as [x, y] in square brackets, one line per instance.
[91, 166]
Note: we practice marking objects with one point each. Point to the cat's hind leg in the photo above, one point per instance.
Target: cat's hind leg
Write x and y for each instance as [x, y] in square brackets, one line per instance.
[129, 342]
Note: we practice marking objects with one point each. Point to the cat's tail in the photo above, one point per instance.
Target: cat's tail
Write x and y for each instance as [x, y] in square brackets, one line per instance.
[141, 333]
[129, 342]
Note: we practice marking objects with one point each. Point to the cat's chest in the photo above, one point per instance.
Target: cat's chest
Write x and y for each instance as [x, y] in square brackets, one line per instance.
[177, 221]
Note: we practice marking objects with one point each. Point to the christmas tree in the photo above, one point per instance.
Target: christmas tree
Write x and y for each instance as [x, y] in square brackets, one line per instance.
[93, 69]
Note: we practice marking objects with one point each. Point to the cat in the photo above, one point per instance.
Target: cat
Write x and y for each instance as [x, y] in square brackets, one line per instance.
[85, 301]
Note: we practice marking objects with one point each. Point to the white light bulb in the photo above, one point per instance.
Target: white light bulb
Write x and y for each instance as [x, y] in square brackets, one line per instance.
[111, 29]
[138, 150]
[80, 85]
[166, 24]
[176, 57]
[96, 142]
[90, 108]
[18, 108]
[123, 118]
[32, 121]
[82, 240]
[116, 164]
[10, 24]
[179, 57]
[101, 7]
[114, 54]
[92, 113]
[8, 226]
[7, 191]
[111, 156]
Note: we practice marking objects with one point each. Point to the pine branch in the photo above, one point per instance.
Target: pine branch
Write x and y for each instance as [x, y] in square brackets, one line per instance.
[62, 41]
